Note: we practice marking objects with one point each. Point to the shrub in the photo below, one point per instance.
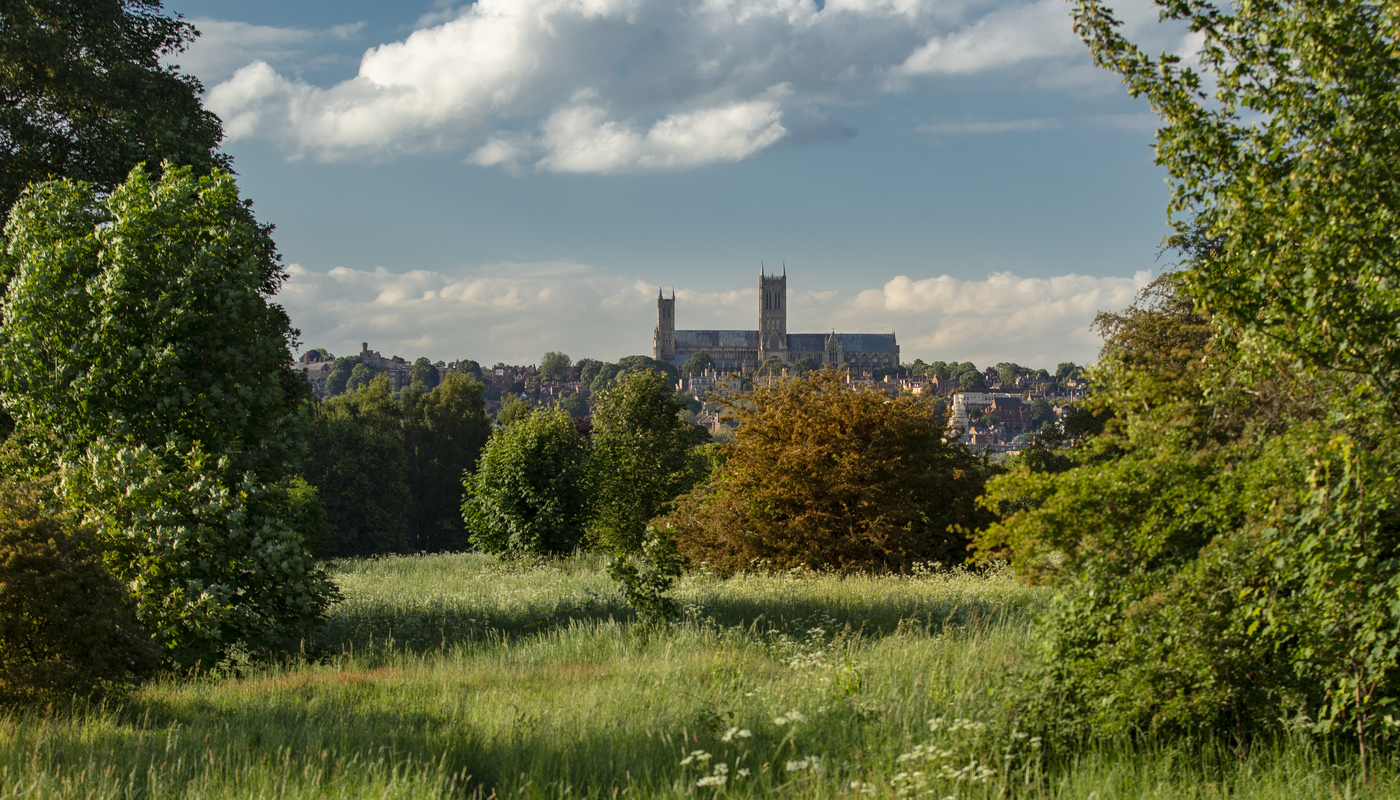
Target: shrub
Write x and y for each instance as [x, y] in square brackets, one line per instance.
[65, 628]
[826, 476]
[529, 493]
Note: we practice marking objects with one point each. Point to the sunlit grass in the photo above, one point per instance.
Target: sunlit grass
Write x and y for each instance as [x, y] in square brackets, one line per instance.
[461, 676]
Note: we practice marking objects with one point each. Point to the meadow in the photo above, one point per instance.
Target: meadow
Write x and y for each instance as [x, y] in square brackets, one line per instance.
[466, 676]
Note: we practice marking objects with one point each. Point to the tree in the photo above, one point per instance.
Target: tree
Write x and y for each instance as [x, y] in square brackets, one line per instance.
[1067, 370]
[804, 365]
[444, 431]
[339, 378]
[554, 366]
[423, 372]
[529, 492]
[575, 406]
[588, 370]
[604, 378]
[360, 377]
[86, 97]
[971, 380]
[1008, 372]
[697, 364]
[641, 458]
[824, 475]
[512, 411]
[1041, 412]
[138, 338]
[469, 367]
[631, 364]
[358, 465]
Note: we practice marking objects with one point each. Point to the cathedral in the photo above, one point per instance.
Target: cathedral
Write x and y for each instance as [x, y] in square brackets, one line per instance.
[745, 351]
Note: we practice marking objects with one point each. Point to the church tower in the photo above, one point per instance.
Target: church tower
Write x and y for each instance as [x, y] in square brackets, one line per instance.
[663, 340]
[772, 315]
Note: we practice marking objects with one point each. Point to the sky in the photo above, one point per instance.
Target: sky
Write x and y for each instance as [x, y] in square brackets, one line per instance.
[496, 179]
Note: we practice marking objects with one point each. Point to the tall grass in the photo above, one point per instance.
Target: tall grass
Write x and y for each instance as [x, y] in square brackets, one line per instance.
[459, 676]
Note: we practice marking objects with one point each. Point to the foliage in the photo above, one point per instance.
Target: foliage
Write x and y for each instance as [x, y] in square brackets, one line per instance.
[513, 410]
[1257, 410]
[824, 476]
[554, 366]
[423, 372]
[471, 368]
[87, 97]
[138, 338]
[145, 315]
[604, 377]
[588, 370]
[575, 406]
[211, 561]
[66, 628]
[630, 364]
[697, 364]
[971, 380]
[646, 576]
[642, 458]
[341, 368]
[529, 493]
[1041, 412]
[358, 465]
[443, 432]
[360, 376]
[1008, 372]
[804, 365]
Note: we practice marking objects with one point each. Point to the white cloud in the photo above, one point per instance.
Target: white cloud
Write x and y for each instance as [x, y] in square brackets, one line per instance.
[514, 312]
[1002, 38]
[581, 139]
[666, 84]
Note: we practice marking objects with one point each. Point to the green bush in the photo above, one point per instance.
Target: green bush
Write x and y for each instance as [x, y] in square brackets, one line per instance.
[529, 494]
[65, 627]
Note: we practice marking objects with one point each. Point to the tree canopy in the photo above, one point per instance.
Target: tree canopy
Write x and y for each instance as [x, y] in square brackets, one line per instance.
[85, 95]
[1226, 540]
[823, 475]
[554, 366]
[141, 358]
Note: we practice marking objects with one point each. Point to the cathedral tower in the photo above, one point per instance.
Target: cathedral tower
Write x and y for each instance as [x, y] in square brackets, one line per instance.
[772, 315]
[663, 340]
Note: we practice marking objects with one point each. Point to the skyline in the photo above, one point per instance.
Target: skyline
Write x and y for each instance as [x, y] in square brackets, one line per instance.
[493, 180]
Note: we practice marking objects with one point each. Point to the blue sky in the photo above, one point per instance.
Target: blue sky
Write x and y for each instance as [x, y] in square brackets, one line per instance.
[497, 179]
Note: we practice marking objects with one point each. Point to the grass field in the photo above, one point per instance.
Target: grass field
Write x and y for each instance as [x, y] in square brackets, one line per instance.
[461, 676]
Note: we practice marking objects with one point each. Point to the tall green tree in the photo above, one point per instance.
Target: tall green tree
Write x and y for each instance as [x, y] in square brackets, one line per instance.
[1228, 544]
[423, 372]
[554, 366]
[358, 464]
[140, 351]
[444, 431]
[84, 94]
[642, 457]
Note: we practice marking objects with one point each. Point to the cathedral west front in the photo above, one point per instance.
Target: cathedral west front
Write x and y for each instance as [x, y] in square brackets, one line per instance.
[746, 351]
